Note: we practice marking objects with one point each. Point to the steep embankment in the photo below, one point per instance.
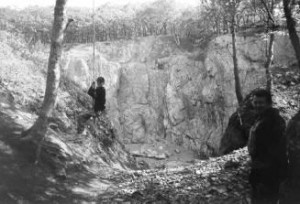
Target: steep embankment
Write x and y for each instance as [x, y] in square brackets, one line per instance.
[72, 166]
[22, 85]
[160, 92]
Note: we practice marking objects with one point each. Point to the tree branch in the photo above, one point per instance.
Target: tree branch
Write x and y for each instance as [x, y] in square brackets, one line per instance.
[270, 15]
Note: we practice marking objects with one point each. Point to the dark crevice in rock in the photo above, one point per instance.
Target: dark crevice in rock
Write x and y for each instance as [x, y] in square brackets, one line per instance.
[239, 124]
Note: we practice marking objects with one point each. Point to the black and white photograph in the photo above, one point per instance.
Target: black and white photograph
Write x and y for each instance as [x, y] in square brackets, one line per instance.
[149, 101]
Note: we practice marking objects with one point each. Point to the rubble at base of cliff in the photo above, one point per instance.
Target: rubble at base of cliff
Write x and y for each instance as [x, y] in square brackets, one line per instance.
[217, 180]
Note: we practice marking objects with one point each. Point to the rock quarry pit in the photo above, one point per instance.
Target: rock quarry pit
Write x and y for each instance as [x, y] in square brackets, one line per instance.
[163, 94]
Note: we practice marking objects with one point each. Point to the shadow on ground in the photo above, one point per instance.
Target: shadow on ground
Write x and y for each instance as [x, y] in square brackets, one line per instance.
[24, 182]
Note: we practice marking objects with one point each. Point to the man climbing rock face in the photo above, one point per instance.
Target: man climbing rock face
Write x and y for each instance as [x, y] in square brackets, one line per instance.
[267, 148]
[98, 94]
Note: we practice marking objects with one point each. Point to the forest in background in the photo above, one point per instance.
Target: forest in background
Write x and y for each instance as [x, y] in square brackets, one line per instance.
[160, 17]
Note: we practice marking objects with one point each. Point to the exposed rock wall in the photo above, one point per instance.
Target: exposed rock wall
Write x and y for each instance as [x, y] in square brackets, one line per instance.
[158, 90]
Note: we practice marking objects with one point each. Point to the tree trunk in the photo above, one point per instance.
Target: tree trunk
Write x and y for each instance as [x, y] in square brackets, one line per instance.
[39, 129]
[270, 48]
[238, 89]
[292, 29]
[270, 58]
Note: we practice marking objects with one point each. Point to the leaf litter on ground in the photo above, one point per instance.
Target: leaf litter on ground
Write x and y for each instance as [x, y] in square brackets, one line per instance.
[217, 180]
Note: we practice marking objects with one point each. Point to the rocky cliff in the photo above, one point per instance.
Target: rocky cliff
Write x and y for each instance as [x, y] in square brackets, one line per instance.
[158, 90]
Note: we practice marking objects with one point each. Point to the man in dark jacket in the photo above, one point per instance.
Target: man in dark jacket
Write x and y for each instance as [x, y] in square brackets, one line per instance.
[98, 94]
[267, 148]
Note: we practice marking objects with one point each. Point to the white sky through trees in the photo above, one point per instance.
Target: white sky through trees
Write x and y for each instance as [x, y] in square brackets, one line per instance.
[84, 3]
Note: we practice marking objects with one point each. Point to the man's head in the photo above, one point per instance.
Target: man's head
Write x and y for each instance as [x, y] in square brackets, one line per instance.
[262, 100]
[100, 81]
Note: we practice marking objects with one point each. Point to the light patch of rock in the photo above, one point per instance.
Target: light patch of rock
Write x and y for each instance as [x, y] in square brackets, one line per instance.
[158, 90]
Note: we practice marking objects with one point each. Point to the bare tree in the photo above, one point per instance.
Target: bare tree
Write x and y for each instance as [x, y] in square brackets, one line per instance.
[231, 9]
[238, 89]
[39, 129]
[269, 9]
[270, 57]
[291, 25]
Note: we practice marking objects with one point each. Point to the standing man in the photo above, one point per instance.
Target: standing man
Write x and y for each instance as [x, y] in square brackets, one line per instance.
[267, 148]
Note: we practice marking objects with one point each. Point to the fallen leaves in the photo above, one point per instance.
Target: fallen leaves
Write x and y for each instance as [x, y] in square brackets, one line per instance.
[217, 180]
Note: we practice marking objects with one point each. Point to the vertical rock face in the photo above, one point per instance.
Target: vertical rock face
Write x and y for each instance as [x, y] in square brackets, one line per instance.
[157, 90]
